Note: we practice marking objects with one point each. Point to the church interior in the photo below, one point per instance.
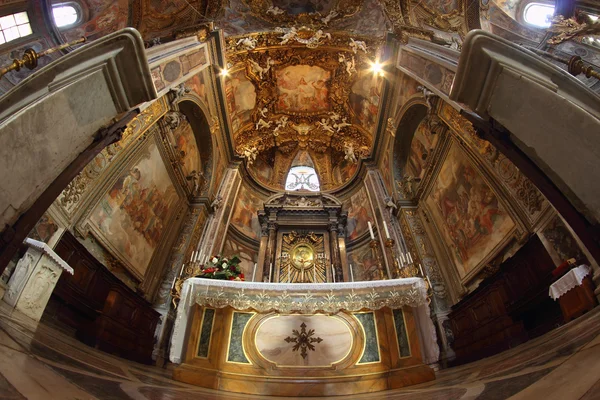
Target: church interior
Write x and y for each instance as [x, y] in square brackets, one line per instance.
[299, 199]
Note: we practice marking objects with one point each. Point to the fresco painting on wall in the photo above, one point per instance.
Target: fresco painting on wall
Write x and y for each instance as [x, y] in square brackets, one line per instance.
[420, 148]
[241, 98]
[185, 145]
[443, 6]
[408, 87]
[468, 213]
[198, 86]
[364, 264]
[248, 256]
[245, 217]
[364, 99]
[262, 171]
[344, 170]
[359, 214]
[302, 88]
[386, 170]
[132, 216]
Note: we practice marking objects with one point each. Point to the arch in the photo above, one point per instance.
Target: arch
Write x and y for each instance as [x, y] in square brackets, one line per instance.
[410, 119]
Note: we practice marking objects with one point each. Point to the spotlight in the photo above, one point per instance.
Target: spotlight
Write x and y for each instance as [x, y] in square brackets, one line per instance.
[377, 68]
[224, 72]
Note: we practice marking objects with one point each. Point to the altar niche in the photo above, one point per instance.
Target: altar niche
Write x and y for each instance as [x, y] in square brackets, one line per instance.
[300, 241]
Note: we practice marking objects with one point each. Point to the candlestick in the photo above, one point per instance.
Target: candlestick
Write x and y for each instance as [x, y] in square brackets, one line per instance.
[254, 272]
[333, 273]
[351, 273]
[270, 271]
[371, 230]
[387, 233]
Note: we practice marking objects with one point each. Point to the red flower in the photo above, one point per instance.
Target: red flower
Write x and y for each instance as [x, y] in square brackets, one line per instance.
[231, 278]
[242, 276]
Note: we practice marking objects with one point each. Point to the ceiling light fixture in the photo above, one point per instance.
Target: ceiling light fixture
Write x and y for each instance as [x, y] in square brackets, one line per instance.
[377, 68]
[224, 72]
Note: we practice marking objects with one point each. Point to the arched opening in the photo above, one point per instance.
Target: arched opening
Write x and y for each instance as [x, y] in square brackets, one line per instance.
[538, 14]
[302, 177]
[407, 127]
[67, 15]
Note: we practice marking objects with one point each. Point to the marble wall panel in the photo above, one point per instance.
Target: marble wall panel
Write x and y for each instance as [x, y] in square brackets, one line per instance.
[371, 352]
[401, 334]
[206, 332]
[236, 353]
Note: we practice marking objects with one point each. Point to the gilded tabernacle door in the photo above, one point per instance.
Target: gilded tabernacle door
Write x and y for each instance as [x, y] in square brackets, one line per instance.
[303, 257]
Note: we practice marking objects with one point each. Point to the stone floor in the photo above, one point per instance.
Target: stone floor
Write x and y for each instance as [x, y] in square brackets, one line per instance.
[42, 363]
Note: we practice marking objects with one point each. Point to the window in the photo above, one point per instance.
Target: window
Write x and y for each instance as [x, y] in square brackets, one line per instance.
[14, 26]
[66, 14]
[538, 14]
[302, 178]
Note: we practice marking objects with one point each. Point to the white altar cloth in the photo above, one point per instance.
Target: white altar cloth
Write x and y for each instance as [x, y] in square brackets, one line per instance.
[570, 280]
[305, 298]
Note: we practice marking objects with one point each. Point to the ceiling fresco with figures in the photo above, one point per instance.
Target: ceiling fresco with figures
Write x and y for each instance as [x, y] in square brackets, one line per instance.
[302, 90]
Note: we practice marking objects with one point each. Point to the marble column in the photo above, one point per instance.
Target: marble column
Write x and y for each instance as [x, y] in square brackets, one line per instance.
[34, 279]
[335, 252]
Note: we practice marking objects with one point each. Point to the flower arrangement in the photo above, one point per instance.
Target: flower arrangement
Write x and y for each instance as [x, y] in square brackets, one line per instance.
[224, 268]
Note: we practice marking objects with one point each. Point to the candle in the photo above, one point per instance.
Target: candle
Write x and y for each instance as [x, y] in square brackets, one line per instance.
[351, 273]
[399, 263]
[270, 271]
[332, 273]
[410, 258]
[192, 256]
[254, 272]
[402, 258]
[428, 281]
[387, 233]
[371, 230]
[421, 268]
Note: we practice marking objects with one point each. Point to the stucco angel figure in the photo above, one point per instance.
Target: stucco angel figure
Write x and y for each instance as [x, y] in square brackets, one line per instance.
[334, 116]
[216, 204]
[339, 126]
[281, 123]
[263, 112]
[389, 204]
[174, 119]
[289, 34]
[178, 92]
[349, 64]
[261, 71]
[427, 94]
[275, 10]
[349, 151]
[326, 125]
[263, 124]
[357, 45]
[327, 19]
[195, 177]
[250, 154]
[248, 43]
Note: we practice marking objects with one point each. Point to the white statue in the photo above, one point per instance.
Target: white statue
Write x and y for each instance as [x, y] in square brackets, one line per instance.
[281, 123]
[289, 34]
[263, 112]
[216, 204]
[356, 45]
[390, 205]
[178, 91]
[275, 10]
[195, 178]
[263, 124]
[427, 94]
[334, 116]
[349, 64]
[340, 125]
[325, 125]
[349, 151]
[261, 71]
[250, 154]
[173, 119]
[332, 14]
[248, 43]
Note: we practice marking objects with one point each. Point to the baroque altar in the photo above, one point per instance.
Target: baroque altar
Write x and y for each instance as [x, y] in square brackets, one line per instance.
[303, 339]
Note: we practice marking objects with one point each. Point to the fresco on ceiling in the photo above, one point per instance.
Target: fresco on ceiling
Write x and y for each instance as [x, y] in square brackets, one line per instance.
[245, 217]
[364, 264]
[105, 16]
[468, 213]
[504, 25]
[508, 6]
[262, 171]
[241, 98]
[442, 6]
[359, 214]
[132, 216]
[439, 77]
[303, 159]
[370, 20]
[344, 171]
[295, 7]
[186, 148]
[364, 100]
[247, 255]
[302, 88]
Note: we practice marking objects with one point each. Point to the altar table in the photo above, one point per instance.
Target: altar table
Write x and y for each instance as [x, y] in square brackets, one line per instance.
[574, 292]
[303, 339]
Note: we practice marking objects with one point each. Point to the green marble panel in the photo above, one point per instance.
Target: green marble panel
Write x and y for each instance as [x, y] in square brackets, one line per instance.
[401, 334]
[236, 351]
[206, 332]
[371, 354]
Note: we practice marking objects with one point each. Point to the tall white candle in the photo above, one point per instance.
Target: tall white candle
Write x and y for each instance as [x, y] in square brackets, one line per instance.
[254, 272]
[428, 281]
[410, 258]
[332, 273]
[371, 230]
[399, 263]
[270, 271]
[192, 256]
[351, 273]
[421, 268]
[402, 258]
[387, 233]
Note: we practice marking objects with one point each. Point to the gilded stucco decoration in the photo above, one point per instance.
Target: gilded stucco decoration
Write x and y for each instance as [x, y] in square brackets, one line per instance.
[312, 93]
